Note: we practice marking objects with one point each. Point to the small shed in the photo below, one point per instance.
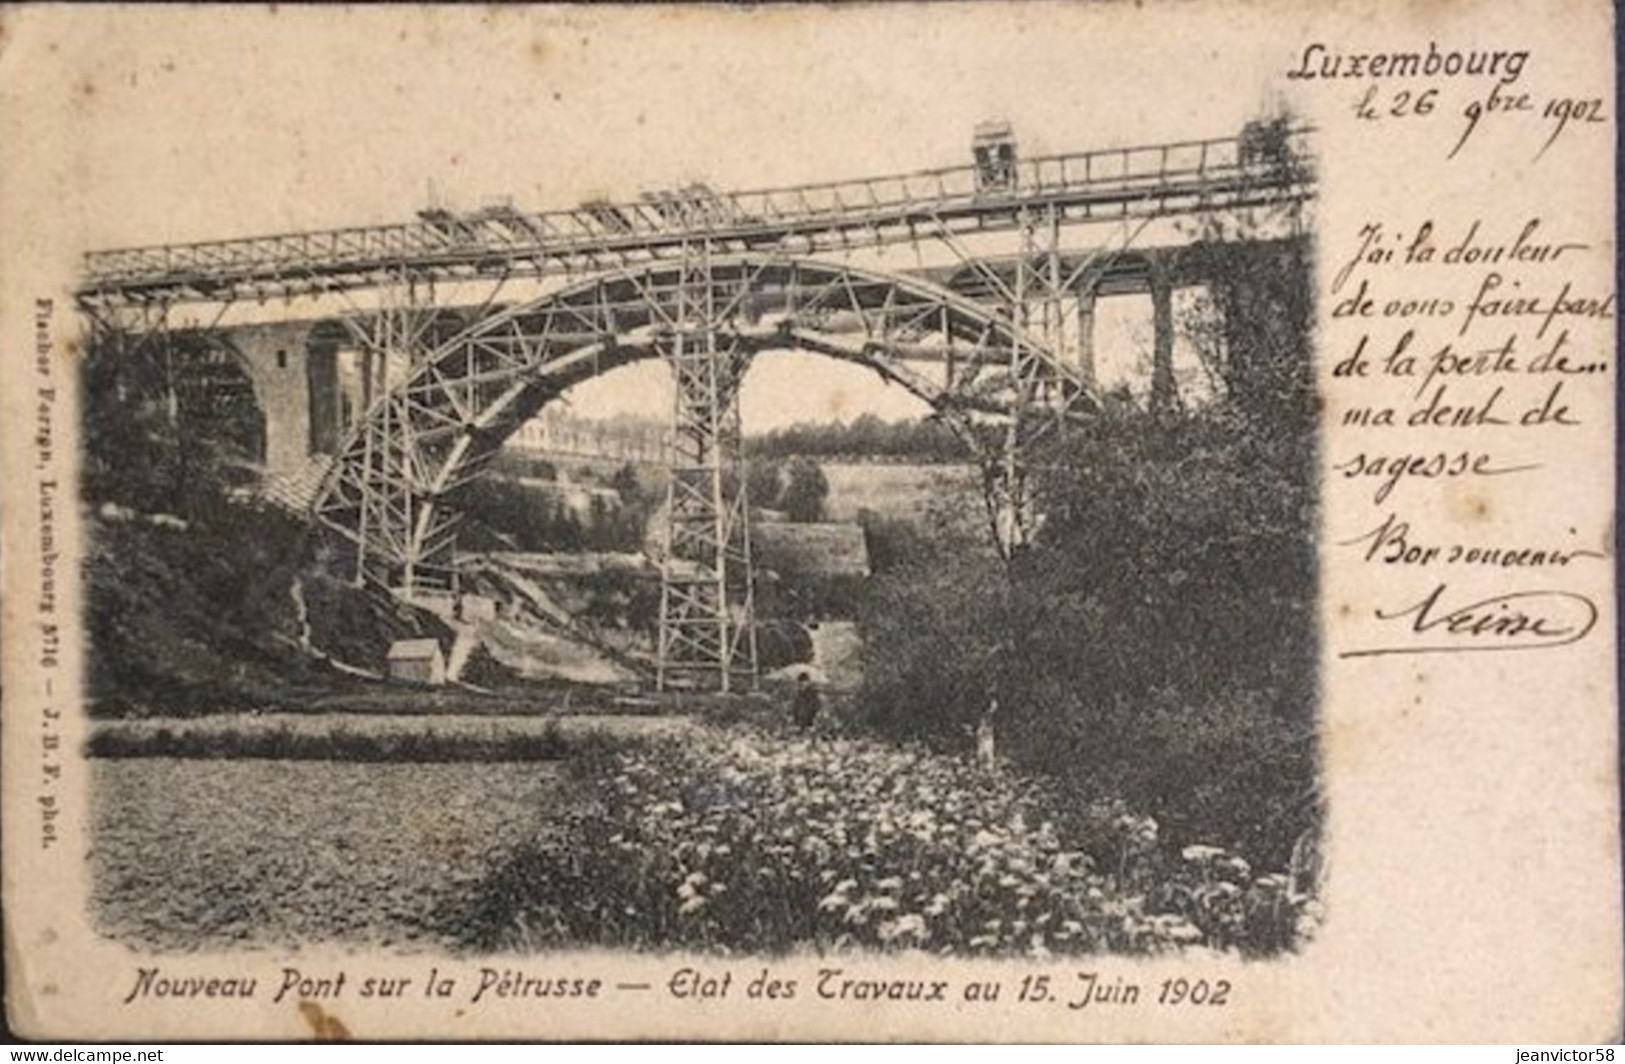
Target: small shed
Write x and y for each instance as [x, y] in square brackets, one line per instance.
[417, 661]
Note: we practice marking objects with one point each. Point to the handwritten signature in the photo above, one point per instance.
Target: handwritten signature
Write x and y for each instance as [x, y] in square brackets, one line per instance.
[1523, 620]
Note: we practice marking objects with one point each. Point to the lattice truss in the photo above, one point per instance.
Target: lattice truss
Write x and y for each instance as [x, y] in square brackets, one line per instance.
[703, 281]
[706, 593]
[392, 497]
[1263, 168]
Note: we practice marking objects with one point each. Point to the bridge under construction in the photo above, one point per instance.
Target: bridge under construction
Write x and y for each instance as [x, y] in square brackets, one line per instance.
[465, 324]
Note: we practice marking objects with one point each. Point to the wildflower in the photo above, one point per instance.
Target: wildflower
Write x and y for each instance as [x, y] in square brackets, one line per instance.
[910, 925]
[1069, 863]
[1181, 930]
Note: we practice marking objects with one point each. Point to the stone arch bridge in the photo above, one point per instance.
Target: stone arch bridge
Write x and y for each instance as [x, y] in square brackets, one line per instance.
[465, 325]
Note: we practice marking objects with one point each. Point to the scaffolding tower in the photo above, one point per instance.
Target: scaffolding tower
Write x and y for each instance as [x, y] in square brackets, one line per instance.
[707, 631]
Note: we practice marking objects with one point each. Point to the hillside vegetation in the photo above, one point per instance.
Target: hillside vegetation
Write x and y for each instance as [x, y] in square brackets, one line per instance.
[199, 599]
[1158, 642]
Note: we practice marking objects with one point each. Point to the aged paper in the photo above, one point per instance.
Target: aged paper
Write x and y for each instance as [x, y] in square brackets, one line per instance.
[241, 803]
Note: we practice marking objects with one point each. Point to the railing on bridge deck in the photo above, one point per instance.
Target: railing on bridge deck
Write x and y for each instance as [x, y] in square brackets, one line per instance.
[1112, 183]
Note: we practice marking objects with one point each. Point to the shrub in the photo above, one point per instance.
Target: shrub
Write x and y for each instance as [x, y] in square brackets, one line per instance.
[805, 490]
[781, 642]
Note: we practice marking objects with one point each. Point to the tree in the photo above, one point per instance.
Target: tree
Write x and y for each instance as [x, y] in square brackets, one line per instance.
[925, 440]
[805, 491]
[933, 623]
[1158, 643]
[625, 484]
[764, 483]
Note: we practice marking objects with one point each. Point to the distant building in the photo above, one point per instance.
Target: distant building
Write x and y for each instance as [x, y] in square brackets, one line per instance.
[622, 439]
[417, 661]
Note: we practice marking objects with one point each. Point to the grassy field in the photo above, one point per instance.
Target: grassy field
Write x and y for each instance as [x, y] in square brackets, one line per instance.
[192, 855]
[896, 491]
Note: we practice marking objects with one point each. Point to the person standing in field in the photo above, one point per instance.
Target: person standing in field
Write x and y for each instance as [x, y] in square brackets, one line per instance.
[804, 710]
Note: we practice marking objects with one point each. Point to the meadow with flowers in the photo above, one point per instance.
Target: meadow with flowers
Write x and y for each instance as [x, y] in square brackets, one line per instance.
[750, 839]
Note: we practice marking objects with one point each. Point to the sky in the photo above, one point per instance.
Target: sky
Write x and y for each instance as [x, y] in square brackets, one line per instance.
[194, 124]
[235, 121]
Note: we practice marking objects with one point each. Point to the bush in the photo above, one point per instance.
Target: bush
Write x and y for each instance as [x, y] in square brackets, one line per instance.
[781, 642]
[890, 542]
[867, 436]
[805, 491]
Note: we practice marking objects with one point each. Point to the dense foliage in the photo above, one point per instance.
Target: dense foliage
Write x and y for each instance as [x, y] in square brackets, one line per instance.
[740, 841]
[797, 486]
[867, 436]
[201, 599]
[532, 511]
[1158, 640]
[165, 429]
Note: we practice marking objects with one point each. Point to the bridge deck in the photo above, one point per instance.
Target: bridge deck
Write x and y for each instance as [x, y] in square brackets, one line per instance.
[1153, 180]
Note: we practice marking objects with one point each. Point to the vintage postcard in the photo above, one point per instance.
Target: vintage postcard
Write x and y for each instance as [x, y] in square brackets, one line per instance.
[1022, 522]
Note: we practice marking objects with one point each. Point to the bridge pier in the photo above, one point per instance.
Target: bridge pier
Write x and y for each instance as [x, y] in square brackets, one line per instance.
[1164, 389]
[326, 430]
[296, 386]
[1086, 336]
[370, 378]
[299, 386]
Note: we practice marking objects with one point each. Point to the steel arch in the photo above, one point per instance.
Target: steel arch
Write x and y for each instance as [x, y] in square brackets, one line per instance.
[424, 438]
